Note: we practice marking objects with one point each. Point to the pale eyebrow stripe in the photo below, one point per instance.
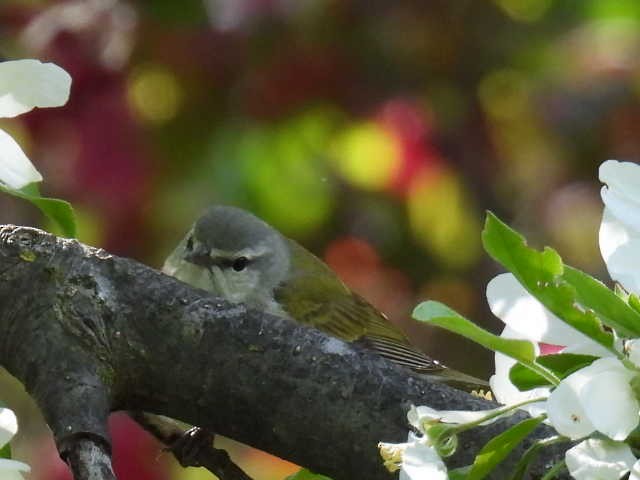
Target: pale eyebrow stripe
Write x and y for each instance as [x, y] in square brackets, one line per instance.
[250, 253]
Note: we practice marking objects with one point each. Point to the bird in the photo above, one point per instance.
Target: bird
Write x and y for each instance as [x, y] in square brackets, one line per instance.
[234, 254]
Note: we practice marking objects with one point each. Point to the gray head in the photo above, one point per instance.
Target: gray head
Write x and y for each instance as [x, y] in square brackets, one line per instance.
[232, 253]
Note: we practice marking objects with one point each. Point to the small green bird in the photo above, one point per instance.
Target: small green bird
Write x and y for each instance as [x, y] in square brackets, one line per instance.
[234, 254]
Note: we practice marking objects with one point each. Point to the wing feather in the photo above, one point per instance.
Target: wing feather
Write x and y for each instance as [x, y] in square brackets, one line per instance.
[346, 315]
[315, 296]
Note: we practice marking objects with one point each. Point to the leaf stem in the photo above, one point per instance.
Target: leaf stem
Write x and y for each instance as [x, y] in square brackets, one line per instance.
[508, 409]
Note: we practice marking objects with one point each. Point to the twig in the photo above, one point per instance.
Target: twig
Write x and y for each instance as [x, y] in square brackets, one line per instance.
[192, 447]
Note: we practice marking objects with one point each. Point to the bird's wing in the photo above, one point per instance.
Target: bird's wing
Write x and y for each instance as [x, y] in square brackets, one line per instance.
[315, 296]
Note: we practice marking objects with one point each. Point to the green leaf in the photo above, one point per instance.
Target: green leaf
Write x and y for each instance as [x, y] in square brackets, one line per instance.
[634, 302]
[531, 453]
[542, 274]
[459, 473]
[612, 310]
[440, 315]
[305, 474]
[500, 446]
[5, 452]
[561, 364]
[57, 210]
[510, 249]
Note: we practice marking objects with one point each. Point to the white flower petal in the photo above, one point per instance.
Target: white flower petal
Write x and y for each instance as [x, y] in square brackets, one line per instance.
[26, 84]
[599, 459]
[625, 210]
[16, 170]
[635, 471]
[620, 249]
[602, 365]
[10, 469]
[623, 177]
[506, 392]
[417, 415]
[466, 416]
[566, 414]
[588, 347]
[7, 464]
[633, 350]
[422, 462]
[8, 425]
[511, 303]
[597, 397]
[610, 403]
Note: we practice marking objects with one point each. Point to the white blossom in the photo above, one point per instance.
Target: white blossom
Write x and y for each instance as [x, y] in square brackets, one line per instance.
[632, 348]
[599, 459]
[9, 469]
[418, 458]
[620, 227]
[635, 471]
[423, 415]
[506, 392]
[420, 461]
[529, 319]
[25, 85]
[598, 397]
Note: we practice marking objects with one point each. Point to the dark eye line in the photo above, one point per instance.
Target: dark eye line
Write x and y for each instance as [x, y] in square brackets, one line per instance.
[190, 243]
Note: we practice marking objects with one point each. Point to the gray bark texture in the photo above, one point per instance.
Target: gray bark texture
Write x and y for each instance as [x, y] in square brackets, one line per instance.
[88, 333]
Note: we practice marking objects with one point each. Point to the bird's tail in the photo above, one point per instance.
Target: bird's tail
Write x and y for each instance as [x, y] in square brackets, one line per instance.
[454, 378]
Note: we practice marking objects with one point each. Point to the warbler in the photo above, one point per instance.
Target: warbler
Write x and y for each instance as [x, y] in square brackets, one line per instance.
[239, 257]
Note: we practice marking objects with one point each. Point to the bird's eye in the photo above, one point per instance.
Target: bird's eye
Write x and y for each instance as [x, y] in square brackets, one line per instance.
[190, 243]
[240, 263]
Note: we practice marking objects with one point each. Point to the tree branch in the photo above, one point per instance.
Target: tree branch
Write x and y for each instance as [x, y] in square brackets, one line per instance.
[87, 333]
[191, 447]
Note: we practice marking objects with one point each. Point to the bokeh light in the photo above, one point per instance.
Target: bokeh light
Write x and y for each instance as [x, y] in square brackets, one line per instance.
[154, 94]
[505, 94]
[366, 155]
[572, 214]
[443, 218]
[360, 267]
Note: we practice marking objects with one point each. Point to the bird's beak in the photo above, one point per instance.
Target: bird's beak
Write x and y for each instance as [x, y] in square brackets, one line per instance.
[201, 258]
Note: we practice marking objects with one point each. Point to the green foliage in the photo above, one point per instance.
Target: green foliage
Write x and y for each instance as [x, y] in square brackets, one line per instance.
[561, 364]
[5, 452]
[634, 302]
[305, 474]
[459, 473]
[442, 316]
[499, 447]
[610, 308]
[530, 454]
[57, 210]
[438, 314]
[543, 275]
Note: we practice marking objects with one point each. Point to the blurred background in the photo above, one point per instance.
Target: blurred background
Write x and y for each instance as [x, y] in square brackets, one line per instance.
[376, 133]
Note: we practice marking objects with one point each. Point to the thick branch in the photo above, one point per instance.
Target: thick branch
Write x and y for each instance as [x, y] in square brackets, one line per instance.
[90, 461]
[88, 332]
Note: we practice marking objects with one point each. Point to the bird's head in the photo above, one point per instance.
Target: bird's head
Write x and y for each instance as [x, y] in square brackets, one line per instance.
[232, 253]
